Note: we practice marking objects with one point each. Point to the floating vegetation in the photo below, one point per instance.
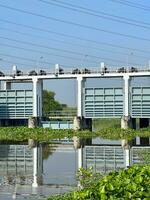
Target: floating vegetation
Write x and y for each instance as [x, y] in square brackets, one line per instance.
[132, 183]
[47, 134]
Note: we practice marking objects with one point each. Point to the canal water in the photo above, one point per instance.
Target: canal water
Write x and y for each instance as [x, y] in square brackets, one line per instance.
[29, 173]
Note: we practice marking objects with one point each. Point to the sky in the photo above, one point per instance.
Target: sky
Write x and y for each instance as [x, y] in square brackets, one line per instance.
[40, 33]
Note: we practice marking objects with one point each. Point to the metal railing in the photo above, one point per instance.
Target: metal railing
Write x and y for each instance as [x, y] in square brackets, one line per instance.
[76, 70]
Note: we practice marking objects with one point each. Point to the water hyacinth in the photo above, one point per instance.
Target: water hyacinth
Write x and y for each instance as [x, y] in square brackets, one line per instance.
[132, 183]
[41, 134]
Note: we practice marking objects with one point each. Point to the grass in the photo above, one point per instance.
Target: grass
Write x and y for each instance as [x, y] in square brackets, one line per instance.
[99, 124]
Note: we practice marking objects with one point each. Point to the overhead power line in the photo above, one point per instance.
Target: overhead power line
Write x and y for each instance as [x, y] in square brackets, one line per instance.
[15, 63]
[132, 4]
[73, 36]
[96, 13]
[71, 43]
[45, 53]
[24, 58]
[29, 60]
[64, 50]
[75, 24]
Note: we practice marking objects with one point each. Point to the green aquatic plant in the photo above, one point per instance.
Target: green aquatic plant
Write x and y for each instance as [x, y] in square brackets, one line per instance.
[132, 183]
[87, 177]
[46, 134]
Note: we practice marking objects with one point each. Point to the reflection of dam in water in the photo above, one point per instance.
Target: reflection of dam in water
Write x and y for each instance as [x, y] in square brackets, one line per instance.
[103, 158]
[105, 155]
[58, 162]
[16, 159]
[109, 158]
[21, 162]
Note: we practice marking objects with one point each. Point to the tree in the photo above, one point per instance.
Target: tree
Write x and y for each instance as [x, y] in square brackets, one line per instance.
[49, 102]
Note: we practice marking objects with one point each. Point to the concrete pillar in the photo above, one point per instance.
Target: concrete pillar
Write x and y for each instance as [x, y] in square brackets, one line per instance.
[81, 85]
[82, 123]
[77, 142]
[7, 85]
[127, 158]
[77, 123]
[80, 157]
[31, 143]
[80, 163]
[126, 121]
[37, 166]
[37, 97]
[32, 122]
[40, 97]
[126, 145]
[126, 109]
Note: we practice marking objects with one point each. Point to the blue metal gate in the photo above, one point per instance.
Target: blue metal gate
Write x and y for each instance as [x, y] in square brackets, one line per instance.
[16, 104]
[103, 102]
[140, 102]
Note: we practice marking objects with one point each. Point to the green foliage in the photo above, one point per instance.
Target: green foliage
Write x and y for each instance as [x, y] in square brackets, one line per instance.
[38, 134]
[47, 134]
[87, 177]
[67, 196]
[133, 183]
[49, 102]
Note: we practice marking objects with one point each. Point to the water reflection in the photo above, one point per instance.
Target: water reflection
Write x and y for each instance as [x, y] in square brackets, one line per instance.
[35, 172]
[38, 170]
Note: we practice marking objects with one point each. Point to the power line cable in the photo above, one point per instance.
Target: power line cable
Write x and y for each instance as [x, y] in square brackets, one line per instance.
[73, 37]
[24, 58]
[61, 50]
[75, 24]
[30, 60]
[86, 11]
[45, 53]
[16, 63]
[95, 11]
[70, 43]
[133, 5]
